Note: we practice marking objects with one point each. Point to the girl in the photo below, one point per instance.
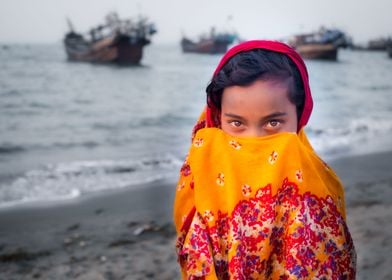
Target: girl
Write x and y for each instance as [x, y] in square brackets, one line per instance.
[254, 201]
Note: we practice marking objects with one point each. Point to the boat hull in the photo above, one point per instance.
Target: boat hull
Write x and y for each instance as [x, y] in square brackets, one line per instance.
[115, 49]
[389, 50]
[206, 47]
[318, 51]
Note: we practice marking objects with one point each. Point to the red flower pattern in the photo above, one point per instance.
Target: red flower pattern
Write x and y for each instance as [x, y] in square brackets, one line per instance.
[283, 236]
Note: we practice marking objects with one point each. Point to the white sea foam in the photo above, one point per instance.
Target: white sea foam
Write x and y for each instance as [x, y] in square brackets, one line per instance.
[358, 137]
[66, 181]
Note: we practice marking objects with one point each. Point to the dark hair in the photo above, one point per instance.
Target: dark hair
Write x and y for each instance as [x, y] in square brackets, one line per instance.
[259, 64]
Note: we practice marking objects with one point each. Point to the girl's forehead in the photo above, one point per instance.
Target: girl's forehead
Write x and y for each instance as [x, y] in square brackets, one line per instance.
[259, 94]
[262, 85]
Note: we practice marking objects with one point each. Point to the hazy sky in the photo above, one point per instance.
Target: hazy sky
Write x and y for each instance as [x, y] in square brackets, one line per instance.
[35, 21]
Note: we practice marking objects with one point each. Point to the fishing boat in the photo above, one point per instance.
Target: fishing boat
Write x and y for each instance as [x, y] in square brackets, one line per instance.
[380, 44]
[323, 44]
[116, 41]
[213, 43]
[389, 48]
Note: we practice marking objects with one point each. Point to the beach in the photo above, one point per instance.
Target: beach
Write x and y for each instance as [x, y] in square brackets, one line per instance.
[128, 234]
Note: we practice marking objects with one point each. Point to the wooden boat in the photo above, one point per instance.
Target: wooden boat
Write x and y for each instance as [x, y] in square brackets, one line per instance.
[389, 50]
[118, 41]
[318, 51]
[323, 44]
[380, 44]
[214, 43]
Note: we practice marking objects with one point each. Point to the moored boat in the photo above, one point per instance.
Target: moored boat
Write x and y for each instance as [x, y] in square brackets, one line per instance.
[380, 44]
[214, 43]
[117, 41]
[388, 46]
[318, 51]
[389, 50]
[323, 44]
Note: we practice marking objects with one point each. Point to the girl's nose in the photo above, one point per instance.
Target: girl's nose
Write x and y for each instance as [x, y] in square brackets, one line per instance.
[254, 132]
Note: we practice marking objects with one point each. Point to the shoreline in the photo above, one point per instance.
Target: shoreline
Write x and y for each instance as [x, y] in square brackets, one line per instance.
[128, 233]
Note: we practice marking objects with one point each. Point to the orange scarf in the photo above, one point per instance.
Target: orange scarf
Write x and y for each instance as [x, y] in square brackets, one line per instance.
[260, 208]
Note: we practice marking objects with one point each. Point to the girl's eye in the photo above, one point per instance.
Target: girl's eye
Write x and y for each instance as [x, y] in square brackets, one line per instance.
[273, 123]
[236, 123]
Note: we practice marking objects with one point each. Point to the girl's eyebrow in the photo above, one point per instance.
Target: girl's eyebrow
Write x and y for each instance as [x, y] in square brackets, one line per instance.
[274, 115]
[268, 117]
[234, 116]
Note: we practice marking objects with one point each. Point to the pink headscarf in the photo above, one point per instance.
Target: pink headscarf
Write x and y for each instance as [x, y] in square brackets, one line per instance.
[279, 48]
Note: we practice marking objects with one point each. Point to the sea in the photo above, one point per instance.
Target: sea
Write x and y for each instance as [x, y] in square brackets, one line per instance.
[70, 129]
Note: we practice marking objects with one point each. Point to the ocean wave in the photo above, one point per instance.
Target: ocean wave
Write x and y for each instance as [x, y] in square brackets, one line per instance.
[375, 87]
[356, 127]
[347, 138]
[62, 145]
[111, 166]
[70, 180]
[7, 148]
[11, 93]
[163, 120]
[73, 194]
[32, 108]
[9, 105]
[39, 105]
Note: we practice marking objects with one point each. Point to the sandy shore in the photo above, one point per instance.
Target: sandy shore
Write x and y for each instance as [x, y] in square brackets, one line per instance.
[128, 234]
[368, 182]
[121, 235]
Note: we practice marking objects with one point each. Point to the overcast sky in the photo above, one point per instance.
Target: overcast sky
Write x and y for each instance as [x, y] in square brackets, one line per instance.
[36, 21]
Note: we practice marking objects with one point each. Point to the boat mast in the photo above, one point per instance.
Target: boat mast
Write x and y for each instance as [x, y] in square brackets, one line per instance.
[70, 25]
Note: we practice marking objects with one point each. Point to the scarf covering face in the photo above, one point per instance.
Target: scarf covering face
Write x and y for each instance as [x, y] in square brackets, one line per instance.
[260, 207]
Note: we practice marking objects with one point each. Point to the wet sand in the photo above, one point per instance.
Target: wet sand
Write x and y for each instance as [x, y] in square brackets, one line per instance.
[125, 234]
[368, 182]
[128, 234]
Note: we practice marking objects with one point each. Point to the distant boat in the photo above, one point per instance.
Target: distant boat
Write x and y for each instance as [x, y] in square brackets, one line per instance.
[117, 41]
[214, 43]
[323, 44]
[389, 48]
[380, 44]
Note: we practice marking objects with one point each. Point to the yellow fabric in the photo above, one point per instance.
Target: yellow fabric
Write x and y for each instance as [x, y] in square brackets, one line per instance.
[213, 151]
[225, 178]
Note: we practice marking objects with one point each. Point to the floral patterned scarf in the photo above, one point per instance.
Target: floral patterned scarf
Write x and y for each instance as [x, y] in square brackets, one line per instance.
[259, 208]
